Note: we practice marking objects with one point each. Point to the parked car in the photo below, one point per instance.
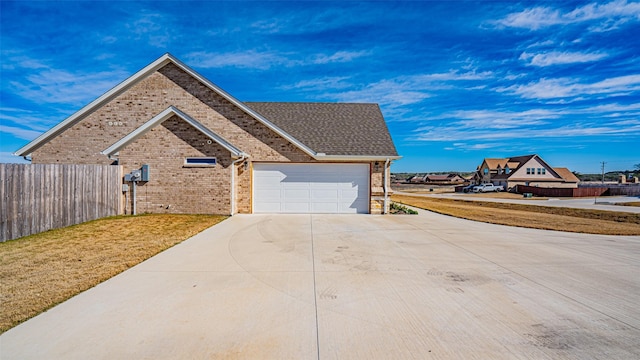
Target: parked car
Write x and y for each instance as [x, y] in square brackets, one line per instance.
[468, 188]
[487, 188]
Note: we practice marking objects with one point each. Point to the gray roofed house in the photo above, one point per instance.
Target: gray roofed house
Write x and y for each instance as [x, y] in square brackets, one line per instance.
[208, 152]
[528, 170]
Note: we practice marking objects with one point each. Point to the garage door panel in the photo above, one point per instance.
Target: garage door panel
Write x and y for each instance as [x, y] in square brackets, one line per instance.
[324, 208]
[328, 195]
[293, 194]
[294, 185]
[311, 188]
[295, 207]
[329, 185]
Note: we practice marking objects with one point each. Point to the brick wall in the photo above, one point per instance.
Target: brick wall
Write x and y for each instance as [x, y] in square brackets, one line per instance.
[173, 187]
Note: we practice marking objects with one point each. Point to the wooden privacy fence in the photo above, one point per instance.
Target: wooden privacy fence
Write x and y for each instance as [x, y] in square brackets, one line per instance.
[36, 198]
[582, 191]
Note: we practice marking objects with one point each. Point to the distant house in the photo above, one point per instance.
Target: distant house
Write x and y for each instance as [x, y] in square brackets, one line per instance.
[447, 178]
[416, 179]
[529, 170]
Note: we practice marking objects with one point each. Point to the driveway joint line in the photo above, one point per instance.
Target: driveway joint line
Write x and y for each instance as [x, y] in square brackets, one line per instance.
[315, 293]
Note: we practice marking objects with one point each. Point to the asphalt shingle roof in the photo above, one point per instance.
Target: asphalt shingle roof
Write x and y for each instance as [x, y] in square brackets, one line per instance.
[332, 128]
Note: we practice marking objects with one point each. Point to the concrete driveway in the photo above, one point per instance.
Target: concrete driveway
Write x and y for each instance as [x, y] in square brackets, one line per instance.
[356, 287]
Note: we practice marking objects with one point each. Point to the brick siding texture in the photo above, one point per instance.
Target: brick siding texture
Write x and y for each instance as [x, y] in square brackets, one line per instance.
[173, 187]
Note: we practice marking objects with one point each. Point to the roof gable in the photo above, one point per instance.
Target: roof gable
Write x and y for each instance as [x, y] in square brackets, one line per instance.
[132, 80]
[494, 164]
[529, 161]
[161, 117]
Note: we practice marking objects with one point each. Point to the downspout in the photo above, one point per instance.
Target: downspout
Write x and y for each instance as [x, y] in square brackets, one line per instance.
[384, 186]
[233, 182]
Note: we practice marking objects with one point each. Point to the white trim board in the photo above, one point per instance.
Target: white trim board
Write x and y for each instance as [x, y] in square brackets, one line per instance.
[158, 119]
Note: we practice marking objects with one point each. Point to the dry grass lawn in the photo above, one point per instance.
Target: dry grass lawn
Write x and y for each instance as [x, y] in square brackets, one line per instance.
[632, 203]
[531, 216]
[42, 270]
[504, 195]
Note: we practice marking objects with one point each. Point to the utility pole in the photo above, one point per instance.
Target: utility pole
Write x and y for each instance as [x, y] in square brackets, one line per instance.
[603, 171]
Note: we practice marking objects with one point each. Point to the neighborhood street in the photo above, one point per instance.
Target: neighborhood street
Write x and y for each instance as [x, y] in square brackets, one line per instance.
[425, 286]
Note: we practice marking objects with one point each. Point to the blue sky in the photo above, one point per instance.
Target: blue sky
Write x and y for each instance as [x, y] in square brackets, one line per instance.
[457, 81]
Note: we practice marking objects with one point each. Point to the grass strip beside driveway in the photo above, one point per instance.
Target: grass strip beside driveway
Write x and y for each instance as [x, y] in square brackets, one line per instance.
[531, 216]
[42, 270]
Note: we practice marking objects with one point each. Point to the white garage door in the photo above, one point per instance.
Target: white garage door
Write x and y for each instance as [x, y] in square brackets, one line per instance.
[310, 188]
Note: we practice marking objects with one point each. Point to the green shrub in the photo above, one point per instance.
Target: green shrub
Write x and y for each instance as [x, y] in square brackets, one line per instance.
[397, 208]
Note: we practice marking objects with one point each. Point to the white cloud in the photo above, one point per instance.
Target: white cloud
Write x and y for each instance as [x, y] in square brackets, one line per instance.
[387, 93]
[152, 27]
[452, 75]
[29, 120]
[20, 133]
[545, 43]
[570, 88]
[533, 18]
[321, 84]
[479, 146]
[338, 57]
[619, 8]
[250, 59]
[559, 58]
[458, 133]
[409, 89]
[253, 59]
[63, 87]
[613, 108]
[14, 60]
[490, 126]
[500, 120]
[611, 15]
[109, 39]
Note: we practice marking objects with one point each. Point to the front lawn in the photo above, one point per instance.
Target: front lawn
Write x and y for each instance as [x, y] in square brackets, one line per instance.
[531, 216]
[42, 270]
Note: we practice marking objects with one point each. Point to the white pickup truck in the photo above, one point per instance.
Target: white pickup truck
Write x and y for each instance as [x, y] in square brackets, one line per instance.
[487, 188]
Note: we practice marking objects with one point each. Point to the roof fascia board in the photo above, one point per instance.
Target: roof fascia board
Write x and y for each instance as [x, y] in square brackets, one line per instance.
[103, 99]
[164, 115]
[356, 157]
[243, 107]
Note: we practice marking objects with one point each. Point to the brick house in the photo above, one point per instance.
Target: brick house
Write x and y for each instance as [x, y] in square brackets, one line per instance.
[529, 170]
[207, 152]
[445, 179]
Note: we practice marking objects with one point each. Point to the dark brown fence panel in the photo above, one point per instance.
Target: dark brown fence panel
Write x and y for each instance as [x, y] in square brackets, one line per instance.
[586, 191]
[36, 198]
[625, 190]
[563, 192]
